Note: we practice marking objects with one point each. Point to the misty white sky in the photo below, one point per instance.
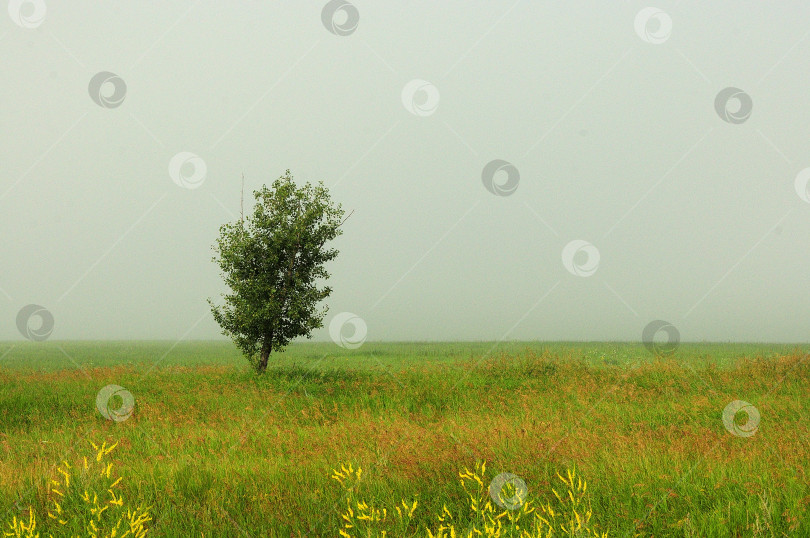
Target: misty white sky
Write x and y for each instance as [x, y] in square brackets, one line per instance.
[611, 123]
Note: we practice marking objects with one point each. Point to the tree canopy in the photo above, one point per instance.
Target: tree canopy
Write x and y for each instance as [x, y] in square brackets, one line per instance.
[273, 262]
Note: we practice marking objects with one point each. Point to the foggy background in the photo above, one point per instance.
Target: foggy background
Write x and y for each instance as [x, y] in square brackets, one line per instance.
[612, 126]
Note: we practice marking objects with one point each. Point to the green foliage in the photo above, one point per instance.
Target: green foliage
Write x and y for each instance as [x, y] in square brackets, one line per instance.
[273, 261]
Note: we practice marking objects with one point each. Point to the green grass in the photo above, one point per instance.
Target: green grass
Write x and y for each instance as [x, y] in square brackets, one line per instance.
[52, 356]
[218, 451]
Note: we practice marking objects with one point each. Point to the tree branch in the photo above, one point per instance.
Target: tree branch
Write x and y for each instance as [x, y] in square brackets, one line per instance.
[344, 220]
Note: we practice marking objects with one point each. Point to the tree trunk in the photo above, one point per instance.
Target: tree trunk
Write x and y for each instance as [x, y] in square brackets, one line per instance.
[266, 347]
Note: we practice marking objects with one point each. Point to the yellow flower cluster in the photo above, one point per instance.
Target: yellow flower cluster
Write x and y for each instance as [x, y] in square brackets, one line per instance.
[20, 529]
[568, 514]
[361, 518]
[83, 500]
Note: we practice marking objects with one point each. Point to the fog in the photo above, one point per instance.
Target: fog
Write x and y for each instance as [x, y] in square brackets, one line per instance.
[629, 185]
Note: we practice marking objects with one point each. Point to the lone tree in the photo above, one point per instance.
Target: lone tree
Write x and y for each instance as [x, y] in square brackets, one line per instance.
[272, 262]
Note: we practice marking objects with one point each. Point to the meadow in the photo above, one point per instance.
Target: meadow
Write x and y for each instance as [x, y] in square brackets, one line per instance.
[215, 450]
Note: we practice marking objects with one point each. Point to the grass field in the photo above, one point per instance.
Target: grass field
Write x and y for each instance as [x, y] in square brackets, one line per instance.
[215, 450]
